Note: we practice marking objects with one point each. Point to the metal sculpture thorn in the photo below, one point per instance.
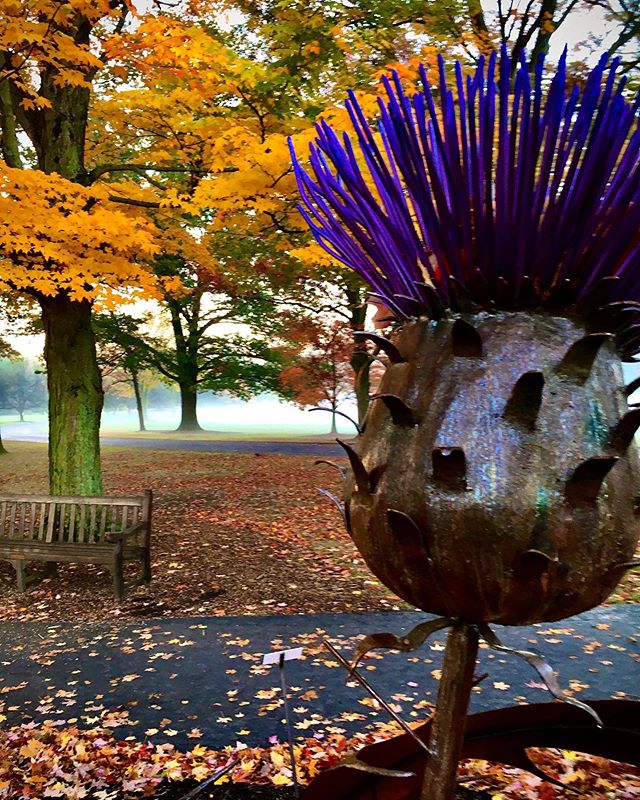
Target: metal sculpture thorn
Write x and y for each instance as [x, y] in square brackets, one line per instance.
[579, 358]
[335, 502]
[400, 412]
[466, 342]
[387, 347]
[340, 414]
[359, 470]
[630, 388]
[624, 432]
[409, 534]
[524, 402]
[583, 486]
[341, 470]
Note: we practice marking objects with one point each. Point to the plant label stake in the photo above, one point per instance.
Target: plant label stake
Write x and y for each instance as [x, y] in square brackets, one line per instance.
[279, 657]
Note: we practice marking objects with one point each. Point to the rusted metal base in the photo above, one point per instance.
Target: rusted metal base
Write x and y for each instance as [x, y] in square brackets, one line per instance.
[501, 736]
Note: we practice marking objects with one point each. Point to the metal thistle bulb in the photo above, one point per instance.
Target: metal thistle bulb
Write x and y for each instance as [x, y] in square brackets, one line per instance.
[495, 479]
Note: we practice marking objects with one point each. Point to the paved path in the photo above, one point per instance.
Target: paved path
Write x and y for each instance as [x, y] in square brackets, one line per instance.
[203, 676]
[330, 450]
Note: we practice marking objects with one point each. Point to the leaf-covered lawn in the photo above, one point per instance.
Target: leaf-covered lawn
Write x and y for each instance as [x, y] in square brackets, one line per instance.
[234, 533]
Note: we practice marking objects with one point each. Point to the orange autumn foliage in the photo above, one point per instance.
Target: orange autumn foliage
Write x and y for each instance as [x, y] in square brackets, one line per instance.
[321, 370]
[56, 235]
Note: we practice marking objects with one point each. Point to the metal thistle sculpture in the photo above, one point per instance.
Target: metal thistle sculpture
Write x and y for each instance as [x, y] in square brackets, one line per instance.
[495, 476]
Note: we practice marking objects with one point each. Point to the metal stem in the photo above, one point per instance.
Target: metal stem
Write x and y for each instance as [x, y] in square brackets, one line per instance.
[449, 722]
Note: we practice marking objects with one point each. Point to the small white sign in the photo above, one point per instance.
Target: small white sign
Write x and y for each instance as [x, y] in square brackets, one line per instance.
[289, 655]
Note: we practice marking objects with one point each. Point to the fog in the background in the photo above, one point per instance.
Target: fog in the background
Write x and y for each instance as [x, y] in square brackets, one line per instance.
[263, 416]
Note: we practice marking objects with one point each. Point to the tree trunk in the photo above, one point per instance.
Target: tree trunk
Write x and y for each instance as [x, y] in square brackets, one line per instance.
[75, 397]
[334, 427]
[479, 26]
[546, 28]
[3, 450]
[9, 144]
[360, 359]
[450, 718]
[139, 404]
[188, 407]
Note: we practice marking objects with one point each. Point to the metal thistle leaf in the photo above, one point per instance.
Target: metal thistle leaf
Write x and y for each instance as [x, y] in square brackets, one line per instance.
[405, 643]
[541, 666]
[334, 500]
[333, 464]
[353, 762]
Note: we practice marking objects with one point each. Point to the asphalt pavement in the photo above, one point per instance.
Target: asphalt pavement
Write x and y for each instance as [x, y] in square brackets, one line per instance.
[202, 679]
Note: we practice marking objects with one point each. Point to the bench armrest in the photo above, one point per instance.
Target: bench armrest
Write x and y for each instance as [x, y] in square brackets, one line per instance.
[120, 536]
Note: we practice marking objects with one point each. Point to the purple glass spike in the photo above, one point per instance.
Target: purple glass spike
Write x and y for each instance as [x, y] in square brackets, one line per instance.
[503, 186]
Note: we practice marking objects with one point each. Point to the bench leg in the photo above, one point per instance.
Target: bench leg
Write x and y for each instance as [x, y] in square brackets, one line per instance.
[20, 576]
[51, 569]
[146, 566]
[118, 574]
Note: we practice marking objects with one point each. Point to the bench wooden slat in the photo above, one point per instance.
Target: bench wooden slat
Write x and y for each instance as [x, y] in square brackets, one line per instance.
[62, 519]
[72, 522]
[124, 500]
[83, 515]
[74, 553]
[76, 529]
[103, 523]
[43, 516]
[51, 522]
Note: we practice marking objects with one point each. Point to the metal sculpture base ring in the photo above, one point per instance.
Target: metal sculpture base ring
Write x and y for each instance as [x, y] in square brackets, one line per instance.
[502, 736]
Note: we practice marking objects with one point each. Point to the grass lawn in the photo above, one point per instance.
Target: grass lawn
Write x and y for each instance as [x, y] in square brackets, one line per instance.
[234, 533]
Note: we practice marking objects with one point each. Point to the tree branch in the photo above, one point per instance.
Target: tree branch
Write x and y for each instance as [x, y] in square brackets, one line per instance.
[103, 169]
[129, 201]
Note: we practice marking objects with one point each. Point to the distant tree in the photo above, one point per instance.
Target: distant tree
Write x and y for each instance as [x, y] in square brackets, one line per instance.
[623, 18]
[121, 356]
[242, 363]
[6, 351]
[320, 373]
[22, 386]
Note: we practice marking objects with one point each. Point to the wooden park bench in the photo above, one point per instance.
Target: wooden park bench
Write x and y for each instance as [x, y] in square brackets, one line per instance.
[88, 530]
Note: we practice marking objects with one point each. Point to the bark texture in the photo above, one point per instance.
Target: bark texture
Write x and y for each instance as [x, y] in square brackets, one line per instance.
[360, 357]
[188, 408]
[75, 397]
[137, 391]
